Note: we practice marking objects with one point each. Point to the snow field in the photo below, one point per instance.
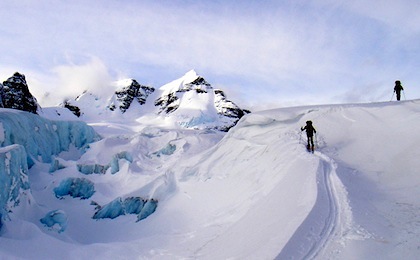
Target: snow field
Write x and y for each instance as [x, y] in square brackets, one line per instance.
[253, 193]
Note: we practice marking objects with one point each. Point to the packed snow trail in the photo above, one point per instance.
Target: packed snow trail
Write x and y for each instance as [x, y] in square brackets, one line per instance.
[314, 233]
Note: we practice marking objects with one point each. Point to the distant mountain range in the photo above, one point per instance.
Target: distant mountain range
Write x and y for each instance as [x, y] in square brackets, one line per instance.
[188, 102]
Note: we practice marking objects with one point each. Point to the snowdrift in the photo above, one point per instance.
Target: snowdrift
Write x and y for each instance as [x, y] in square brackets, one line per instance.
[253, 193]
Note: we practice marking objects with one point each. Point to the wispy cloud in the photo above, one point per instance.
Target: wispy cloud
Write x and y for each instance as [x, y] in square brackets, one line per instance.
[270, 51]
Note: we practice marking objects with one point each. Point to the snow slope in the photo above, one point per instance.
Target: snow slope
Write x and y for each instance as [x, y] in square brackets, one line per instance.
[253, 193]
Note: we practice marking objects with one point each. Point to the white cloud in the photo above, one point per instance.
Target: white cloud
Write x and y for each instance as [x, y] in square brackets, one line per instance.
[295, 48]
[68, 81]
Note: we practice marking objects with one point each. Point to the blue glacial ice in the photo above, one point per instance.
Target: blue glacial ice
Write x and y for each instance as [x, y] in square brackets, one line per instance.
[75, 187]
[148, 209]
[26, 138]
[131, 205]
[169, 149]
[55, 220]
[43, 138]
[13, 177]
[102, 169]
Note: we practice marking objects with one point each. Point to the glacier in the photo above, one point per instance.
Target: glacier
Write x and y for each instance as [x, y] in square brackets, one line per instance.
[41, 137]
[26, 138]
[251, 193]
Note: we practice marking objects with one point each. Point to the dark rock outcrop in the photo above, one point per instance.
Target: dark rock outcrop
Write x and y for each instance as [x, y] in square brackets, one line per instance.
[226, 107]
[134, 91]
[168, 103]
[74, 109]
[15, 94]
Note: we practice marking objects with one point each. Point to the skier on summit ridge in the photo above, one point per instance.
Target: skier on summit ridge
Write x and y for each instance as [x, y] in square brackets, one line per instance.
[397, 89]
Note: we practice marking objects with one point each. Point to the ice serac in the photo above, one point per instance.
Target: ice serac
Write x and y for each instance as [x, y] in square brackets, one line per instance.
[75, 187]
[15, 94]
[13, 177]
[131, 205]
[26, 138]
[42, 138]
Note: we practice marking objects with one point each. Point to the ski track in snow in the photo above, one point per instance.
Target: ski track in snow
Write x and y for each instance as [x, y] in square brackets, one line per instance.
[325, 219]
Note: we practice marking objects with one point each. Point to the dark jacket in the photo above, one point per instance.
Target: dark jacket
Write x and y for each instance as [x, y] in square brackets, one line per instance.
[398, 88]
[310, 130]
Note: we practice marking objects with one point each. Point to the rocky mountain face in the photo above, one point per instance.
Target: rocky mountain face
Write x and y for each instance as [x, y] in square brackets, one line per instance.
[15, 94]
[192, 92]
[189, 102]
[128, 94]
[170, 100]
[226, 107]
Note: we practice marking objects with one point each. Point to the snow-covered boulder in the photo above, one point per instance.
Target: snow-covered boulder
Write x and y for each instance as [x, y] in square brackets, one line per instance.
[15, 94]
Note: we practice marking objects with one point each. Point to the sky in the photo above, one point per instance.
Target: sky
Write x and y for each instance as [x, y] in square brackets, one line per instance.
[263, 54]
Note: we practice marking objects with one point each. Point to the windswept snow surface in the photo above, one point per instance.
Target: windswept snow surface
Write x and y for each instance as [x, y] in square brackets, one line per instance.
[253, 193]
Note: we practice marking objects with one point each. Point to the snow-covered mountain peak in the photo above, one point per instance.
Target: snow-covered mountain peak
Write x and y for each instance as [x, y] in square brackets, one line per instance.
[193, 102]
[132, 91]
[187, 102]
[190, 81]
[122, 83]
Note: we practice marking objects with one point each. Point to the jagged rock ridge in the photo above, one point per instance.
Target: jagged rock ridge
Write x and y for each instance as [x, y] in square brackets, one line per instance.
[15, 94]
[226, 107]
[126, 95]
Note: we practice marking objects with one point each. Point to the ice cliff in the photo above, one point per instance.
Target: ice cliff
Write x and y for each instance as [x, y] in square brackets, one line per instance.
[26, 138]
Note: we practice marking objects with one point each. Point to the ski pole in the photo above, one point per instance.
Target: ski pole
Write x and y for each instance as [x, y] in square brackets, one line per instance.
[300, 137]
[392, 95]
[404, 95]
